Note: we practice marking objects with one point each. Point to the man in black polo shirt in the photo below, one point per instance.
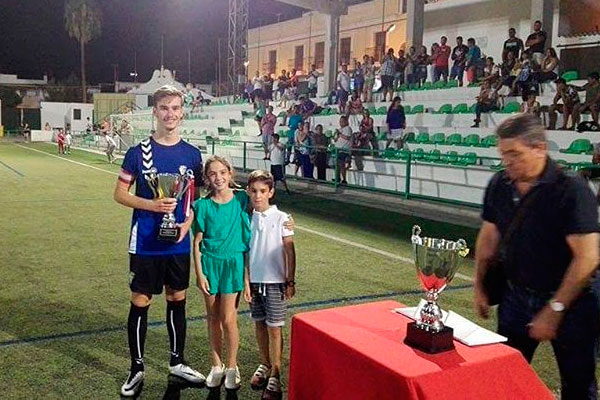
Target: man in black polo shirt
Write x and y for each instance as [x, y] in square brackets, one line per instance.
[536, 43]
[550, 256]
[512, 45]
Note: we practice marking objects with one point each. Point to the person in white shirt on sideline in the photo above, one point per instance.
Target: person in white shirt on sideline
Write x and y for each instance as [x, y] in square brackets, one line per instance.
[343, 142]
[343, 82]
[277, 157]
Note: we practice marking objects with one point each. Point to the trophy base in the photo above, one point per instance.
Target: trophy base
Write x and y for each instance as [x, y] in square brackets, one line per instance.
[429, 342]
[168, 234]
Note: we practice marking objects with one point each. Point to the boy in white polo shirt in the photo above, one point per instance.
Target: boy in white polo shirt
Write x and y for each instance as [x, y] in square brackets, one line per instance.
[269, 281]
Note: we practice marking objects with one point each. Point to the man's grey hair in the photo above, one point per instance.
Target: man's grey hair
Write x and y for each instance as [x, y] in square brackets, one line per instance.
[526, 127]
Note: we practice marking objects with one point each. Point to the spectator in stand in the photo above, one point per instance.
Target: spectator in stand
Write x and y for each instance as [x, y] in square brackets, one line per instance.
[355, 106]
[293, 84]
[487, 101]
[508, 71]
[359, 77]
[343, 84]
[513, 45]
[366, 129]
[473, 61]
[536, 43]
[387, 72]
[459, 58]
[308, 108]
[343, 142]
[592, 99]
[303, 143]
[369, 74]
[570, 99]
[268, 87]
[491, 72]
[421, 65]
[294, 120]
[530, 105]
[320, 143]
[267, 129]
[410, 68]
[282, 83]
[257, 87]
[247, 94]
[522, 83]
[312, 79]
[396, 123]
[400, 66]
[361, 142]
[430, 67]
[440, 60]
[549, 67]
[277, 157]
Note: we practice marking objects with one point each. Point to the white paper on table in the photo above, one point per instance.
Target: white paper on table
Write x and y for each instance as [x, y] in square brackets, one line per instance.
[465, 331]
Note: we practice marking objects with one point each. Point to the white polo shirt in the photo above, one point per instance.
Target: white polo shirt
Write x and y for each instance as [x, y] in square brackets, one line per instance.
[267, 263]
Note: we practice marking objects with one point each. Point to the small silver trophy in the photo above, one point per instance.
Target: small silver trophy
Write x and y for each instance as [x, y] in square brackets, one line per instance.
[165, 185]
[437, 261]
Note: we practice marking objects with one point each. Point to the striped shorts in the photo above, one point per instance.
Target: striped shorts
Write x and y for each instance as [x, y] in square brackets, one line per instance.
[268, 303]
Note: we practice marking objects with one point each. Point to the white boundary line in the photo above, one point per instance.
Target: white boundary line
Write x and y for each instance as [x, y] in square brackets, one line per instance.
[300, 228]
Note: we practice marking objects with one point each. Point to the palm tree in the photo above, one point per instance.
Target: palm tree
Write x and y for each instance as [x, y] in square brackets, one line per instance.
[83, 22]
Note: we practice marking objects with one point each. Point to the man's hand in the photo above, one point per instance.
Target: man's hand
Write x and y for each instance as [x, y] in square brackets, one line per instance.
[290, 223]
[544, 325]
[290, 291]
[203, 285]
[165, 206]
[185, 227]
[481, 304]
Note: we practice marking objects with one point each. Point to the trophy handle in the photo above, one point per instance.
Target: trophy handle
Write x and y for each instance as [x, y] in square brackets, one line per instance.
[461, 247]
[416, 239]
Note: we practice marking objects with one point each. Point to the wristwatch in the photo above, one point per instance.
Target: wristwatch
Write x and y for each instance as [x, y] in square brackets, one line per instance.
[557, 306]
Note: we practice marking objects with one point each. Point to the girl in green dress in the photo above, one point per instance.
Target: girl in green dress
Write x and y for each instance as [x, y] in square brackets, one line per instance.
[222, 234]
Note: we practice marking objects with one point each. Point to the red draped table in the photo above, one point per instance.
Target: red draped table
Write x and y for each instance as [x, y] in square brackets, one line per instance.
[357, 352]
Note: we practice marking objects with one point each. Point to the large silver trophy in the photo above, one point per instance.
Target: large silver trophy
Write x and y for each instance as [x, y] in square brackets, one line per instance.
[437, 261]
[165, 185]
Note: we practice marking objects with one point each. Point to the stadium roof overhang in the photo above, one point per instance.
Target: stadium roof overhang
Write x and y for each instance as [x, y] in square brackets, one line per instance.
[331, 7]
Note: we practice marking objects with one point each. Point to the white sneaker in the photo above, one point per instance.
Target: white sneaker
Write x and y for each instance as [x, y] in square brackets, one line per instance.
[232, 378]
[187, 373]
[215, 376]
[133, 384]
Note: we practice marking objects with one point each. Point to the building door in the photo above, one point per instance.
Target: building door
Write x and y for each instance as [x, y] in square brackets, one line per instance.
[345, 50]
[272, 67]
[379, 45]
[320, 54]
[299, 58]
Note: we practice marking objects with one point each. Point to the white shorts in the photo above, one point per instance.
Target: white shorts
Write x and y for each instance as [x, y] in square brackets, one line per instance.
[395, 134]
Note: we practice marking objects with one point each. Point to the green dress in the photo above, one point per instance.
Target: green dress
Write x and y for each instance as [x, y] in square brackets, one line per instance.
[226, 237]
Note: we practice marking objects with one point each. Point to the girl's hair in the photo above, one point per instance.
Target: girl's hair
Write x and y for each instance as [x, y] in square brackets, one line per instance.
[227, 164]
[397, 98]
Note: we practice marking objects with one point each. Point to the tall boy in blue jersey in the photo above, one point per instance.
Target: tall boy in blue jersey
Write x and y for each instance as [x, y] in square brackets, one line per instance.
[154, 263]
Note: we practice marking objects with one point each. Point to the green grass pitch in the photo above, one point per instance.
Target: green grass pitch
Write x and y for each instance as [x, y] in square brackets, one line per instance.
[64, 287]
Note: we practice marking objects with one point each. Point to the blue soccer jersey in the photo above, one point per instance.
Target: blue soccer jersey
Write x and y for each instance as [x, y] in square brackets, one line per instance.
[143, 238]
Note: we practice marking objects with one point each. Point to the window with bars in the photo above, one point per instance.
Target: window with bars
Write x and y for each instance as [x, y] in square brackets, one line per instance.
[299, 57]
[345, 50]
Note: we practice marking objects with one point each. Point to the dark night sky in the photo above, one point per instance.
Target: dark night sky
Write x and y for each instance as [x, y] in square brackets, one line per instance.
[33, 39]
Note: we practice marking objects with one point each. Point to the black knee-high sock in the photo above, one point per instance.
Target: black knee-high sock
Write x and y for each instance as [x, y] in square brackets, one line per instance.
[176, 325]
[137, 325]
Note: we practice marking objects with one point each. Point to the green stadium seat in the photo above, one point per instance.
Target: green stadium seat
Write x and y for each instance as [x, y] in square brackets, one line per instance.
[372, 110]
[512, 107]
[382, 110]
[467, 159]
[328, 133]
[472, 140]
[403, 87]
[418, 109]
[282, 114]
[418, 154]
[413, 86]
[409, 137]
[445, 109]
[454, 140]
[570, 76]
[433, 156]
[406, 109]
[438, 138]
[472, 108]
[439, 85]
[489, 141]
[450, 157]
[422, 138]
[461, 108]
[579, 146]
[382, 136]
[452, 83]
[403, 155]
[389, 153]
[426, 86]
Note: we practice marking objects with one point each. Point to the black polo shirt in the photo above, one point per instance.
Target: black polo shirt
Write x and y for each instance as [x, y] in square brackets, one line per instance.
[538, 255]
[537, 48]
